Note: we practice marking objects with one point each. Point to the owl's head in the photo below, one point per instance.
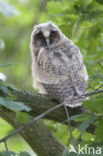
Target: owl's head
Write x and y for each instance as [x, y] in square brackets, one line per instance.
[46, 34]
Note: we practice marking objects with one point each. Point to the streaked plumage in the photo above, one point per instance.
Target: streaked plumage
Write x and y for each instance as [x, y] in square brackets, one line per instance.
[57, 65]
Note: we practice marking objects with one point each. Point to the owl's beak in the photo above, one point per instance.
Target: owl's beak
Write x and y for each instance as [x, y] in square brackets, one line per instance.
[47, 41]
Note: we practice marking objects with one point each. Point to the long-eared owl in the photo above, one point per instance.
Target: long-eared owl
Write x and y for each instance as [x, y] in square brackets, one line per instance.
[57, 65]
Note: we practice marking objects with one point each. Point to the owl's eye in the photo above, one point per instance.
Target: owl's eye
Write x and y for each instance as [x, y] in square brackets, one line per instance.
[39, 39]
[40, 36]
[53, 34]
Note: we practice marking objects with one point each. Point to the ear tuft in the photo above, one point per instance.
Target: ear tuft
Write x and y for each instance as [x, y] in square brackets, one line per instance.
[50, 23]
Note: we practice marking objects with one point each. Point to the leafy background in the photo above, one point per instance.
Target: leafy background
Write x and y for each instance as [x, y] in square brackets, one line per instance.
[82, 22]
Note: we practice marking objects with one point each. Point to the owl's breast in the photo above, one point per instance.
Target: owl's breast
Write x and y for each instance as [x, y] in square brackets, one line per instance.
[46, 74]
[52, 66]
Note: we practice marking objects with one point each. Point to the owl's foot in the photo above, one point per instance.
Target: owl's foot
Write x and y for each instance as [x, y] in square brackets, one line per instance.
[75, 101]
[76, 97]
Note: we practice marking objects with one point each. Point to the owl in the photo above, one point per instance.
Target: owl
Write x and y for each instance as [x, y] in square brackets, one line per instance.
[57, 65]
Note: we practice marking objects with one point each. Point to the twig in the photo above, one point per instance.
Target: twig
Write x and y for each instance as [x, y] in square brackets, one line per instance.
[69, 124]
[93, 92]
[6, 146]
[99, 87]
[98, 61]
[29, 123]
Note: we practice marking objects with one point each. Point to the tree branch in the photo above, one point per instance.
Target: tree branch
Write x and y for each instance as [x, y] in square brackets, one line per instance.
[42, 105]
[94, 92]
[29, 123]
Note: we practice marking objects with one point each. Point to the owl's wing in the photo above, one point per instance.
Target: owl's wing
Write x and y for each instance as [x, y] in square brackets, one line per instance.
[77, 64]
[78, 71]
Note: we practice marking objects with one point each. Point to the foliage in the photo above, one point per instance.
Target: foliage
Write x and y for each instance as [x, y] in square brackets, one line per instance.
[81, 21]
[14, 154]
[5, 99]
[7, 9]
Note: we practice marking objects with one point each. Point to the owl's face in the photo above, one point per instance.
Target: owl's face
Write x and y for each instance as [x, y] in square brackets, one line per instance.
[46, 34]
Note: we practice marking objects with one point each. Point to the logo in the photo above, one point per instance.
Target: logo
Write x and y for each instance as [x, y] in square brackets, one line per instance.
[85, 150]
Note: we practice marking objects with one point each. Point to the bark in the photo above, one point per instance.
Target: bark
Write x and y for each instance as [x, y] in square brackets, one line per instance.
[40, 103]
[38, 137]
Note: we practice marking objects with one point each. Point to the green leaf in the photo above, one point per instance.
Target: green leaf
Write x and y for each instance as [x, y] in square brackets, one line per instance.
[13, 105]
[75, 117]
[54, 7]
[99, 130]
[95, 105]
[8, 153]
[4, 90]
[86, 136]
[100, 1]
[85, 124]
[24, 154]
[7, 64]
[67, 153]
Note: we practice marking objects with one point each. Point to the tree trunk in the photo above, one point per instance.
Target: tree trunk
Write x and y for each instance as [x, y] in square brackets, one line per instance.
[37, 136]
